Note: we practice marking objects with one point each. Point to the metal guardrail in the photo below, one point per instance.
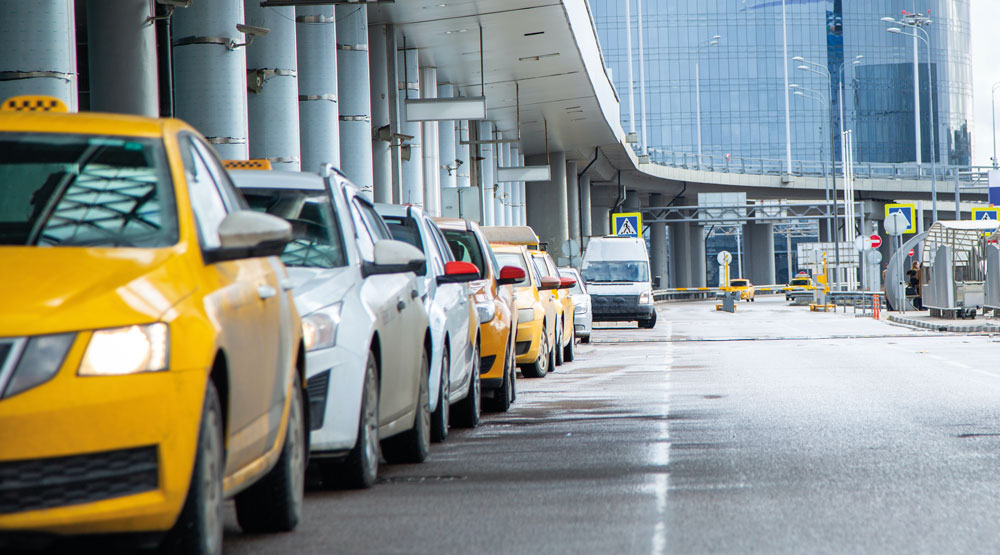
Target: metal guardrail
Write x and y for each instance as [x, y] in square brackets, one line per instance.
[809, 168]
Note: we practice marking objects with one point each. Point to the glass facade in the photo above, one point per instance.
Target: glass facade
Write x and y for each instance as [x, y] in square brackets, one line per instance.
[742, 77]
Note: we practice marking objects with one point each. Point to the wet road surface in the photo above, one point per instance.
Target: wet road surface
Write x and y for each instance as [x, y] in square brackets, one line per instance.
[772, 430]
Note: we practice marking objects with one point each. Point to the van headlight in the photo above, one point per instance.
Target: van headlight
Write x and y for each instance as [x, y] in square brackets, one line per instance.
[128, 350]
[525, 314]
[645, 298]
[486, 311]
[319, 329]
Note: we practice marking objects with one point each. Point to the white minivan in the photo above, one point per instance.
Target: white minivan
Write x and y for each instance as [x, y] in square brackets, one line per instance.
[616, 270]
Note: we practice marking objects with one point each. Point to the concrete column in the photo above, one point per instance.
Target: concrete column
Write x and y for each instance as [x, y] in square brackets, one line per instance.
[39, 38]
[121, 55]
[632, 202]
[447, 143]
[354, 92]
[412, 170]
[600, 222]
[319, 121]
[586, 210]
[547, 211]
[499, 214]
[379, 97]
[522, 194]
[698, 274]
[432, 161]
[758, 260]
[573, 204]
[486, 165]
[210, 79]
[273, 97]
[462, 153]
[679, 271]
[658, 248]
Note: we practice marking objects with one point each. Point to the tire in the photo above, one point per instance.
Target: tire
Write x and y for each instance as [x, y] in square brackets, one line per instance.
[439, 418]
[360, 469]
[540, 367]
[558, 348]
[648, 324]
[198, 530]
[274, 503]
[414, 445]
[467, 411]
[585, 339]
[569, 351]
[501, 400]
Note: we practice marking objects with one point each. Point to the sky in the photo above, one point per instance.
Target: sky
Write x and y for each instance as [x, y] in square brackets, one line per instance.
[985, 72]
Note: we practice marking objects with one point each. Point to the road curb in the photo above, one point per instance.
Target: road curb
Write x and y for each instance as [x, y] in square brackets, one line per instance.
[944, 325]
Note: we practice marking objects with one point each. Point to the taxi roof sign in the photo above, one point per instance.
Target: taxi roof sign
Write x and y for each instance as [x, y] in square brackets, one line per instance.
[33, 103]
[254, 164]
[510, 235]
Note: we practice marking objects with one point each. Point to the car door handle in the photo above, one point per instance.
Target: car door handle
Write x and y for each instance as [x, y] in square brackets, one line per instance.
[400, 305]
[286, 284]
[266, 291]
[414, 294]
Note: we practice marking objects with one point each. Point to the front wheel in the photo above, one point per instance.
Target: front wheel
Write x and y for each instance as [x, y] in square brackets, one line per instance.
[503, 396]
[413, 445]
[439, 419]
[569, 351]
[360, 468]
[198, 529]
[585, 339]
[558, 348]
[274, 503]
[467, 410]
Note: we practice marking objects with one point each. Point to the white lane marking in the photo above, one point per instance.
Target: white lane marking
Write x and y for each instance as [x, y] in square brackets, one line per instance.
[660, 456]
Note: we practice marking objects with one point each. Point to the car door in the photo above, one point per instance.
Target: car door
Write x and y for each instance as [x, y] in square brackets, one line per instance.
[396, 297]
[244, 305]
[455, 299]
[549, 299]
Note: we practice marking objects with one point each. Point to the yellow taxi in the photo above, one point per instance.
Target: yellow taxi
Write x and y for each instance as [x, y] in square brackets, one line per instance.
[535, 340]
[150, 354]
[743, 288]
[493, 298]
[800, 283]
[565, 330]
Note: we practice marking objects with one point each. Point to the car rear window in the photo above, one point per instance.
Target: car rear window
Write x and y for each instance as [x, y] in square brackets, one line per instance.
[63, 190]
[738, 283]
[465, 247]
[800, 281]
[404, 229]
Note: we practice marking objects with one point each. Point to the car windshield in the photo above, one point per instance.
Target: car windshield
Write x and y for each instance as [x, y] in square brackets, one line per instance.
[515, 260]
[404, 229]
[800, 281]
[739, 283]
[62, 190]
[317, 241]
[616, 271]
[465, 247]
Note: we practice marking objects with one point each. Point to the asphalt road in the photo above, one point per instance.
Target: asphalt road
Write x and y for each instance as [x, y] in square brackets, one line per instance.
[772, 430]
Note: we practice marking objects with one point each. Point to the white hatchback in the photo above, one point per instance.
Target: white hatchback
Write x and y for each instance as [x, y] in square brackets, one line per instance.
[365, 329]
[583, 316]
[454, 378]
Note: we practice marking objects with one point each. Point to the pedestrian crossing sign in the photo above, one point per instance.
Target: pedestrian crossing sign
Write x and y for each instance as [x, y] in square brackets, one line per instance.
[990, 213]
[627, 224]
[908, 210]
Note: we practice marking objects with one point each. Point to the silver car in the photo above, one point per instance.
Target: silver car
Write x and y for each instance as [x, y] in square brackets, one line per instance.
[583, 317]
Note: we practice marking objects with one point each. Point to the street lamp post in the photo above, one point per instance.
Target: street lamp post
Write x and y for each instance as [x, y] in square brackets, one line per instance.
[697, 84]
[993, 100]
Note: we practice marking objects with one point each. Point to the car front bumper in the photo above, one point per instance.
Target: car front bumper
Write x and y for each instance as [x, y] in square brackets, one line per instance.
[619, 308]
[335, 378]
[528, 340]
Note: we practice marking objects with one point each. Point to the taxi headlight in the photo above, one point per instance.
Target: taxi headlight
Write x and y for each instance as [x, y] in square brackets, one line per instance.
[128, 350]
[40, 361]
[486, 311]
[319, 329]
[645, 298]
[525, 314]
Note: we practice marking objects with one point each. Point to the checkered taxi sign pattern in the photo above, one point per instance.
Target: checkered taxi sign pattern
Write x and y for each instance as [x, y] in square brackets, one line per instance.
[247, 164]
[34, 104]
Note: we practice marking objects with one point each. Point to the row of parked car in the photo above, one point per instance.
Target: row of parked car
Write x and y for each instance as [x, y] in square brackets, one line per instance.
[178, 333]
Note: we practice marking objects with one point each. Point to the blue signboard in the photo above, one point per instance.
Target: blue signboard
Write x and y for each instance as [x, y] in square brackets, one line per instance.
[627, 224]
[908, 210]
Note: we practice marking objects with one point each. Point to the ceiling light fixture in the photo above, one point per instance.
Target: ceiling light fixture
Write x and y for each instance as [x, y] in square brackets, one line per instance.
[538, 57]
[453, 31]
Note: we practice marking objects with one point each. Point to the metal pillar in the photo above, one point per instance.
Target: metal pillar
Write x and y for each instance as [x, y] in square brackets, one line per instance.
[462, 154]
[486, 173]
[758, 259]
[680, 258]
[586, 211]
[210, 74]
[429, 144]
[573, 205]
[499, 214]
[411, 171]
[272, 101]
[447, 143]
[524, 194]
[515, 189]
[547, 212]
[121, 55]
[508, 188]
[319, 123]
[39, 49]
[379, 97]
[658, 255]
[601, 225]
[353, 91]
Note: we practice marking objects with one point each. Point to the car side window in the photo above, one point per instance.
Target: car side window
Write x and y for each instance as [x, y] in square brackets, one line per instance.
[376, 227]
[206, 201]
[442, 244]
[233, 198]
[366, 245]
[540, 266]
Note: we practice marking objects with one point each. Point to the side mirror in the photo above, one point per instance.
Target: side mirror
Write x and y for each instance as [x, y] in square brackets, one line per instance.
[566, 283]
[549, 283]
[510, 275]
[459, 272]
[394, 257]
[248, 234]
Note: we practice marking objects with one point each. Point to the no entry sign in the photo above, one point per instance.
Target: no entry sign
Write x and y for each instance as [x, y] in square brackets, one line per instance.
[876, 241]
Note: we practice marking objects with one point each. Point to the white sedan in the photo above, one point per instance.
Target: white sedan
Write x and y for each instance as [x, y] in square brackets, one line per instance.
[454, 377]
[365, 329]
[583, 316]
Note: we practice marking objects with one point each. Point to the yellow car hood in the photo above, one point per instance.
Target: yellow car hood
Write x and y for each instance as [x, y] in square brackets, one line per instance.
[57, 289]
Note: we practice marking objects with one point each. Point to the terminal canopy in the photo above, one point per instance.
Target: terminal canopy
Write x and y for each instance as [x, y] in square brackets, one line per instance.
[965, 238]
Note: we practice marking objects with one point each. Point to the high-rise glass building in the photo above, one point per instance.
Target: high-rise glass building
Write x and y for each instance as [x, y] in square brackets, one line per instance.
[742, 76]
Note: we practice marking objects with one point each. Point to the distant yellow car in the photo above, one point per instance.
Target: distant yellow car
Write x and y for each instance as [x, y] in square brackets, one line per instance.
[744, 288]
[799, 283]
[151, 358]
[565, 329]
[535, 341]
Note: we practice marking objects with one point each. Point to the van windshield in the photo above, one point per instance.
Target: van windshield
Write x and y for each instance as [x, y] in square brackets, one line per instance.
[627, 271]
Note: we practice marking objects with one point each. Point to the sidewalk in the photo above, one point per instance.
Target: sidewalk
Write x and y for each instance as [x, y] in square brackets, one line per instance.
[923, 320]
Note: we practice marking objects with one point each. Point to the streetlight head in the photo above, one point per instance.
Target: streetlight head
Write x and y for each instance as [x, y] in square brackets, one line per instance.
[714, 43]
[803, 67]
[856, 62]
[895, 30]
[798, 59]
[796, 85]
[859, 57]
[717, 37]
[799, 93]
[889, 19]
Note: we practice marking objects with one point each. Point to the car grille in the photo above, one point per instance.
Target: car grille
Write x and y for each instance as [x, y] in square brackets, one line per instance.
[486, 363]
[33, 484]
[318, 387]
[614, 304]
[521, 347]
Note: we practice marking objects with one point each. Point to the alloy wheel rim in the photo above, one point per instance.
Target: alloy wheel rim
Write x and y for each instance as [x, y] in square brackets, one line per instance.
[212, 483]
[371, 423]
[298, 451]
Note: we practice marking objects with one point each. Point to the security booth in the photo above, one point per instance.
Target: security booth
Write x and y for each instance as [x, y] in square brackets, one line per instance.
[956, 269]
